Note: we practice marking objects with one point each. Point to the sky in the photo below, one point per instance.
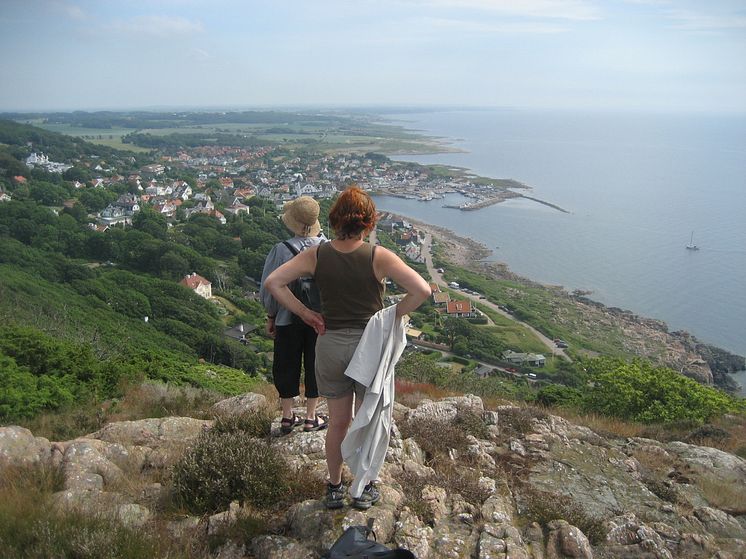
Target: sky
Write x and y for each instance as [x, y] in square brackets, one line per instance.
[640, 55]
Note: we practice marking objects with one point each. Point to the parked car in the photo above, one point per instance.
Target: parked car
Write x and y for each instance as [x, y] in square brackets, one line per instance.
[560, 343]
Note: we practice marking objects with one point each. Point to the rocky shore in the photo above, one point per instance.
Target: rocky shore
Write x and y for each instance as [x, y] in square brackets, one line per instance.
[636, 335]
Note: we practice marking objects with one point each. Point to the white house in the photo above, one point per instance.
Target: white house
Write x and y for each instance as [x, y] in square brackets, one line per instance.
[198, 284]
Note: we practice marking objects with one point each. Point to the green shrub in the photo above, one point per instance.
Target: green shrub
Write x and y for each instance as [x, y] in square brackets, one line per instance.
[222, 467]
[641, 392]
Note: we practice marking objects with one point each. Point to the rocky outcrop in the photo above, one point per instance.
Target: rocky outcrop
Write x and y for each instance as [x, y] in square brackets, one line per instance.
[547, 489]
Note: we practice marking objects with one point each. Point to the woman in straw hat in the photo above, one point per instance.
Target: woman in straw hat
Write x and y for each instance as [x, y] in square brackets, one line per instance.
[350, 275]
[294, 341]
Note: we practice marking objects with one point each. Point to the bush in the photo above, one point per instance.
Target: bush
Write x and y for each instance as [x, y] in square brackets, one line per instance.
[255, 424]
[223, 467]
[641, 392]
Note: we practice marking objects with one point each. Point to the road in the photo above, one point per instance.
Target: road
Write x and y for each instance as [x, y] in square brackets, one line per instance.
[437, 277]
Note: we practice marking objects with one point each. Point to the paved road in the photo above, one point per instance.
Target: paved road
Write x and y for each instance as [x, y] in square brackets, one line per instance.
[437, 277]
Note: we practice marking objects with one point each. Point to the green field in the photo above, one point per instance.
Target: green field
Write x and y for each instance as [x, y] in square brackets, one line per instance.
[362, 137]
[110, 137]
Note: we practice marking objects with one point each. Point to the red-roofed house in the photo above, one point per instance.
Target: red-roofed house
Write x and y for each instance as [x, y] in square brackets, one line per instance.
[461, 309]
[198, 284]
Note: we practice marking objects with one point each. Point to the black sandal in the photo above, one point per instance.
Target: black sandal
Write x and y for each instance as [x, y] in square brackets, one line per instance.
[316, 425]
[287, 424]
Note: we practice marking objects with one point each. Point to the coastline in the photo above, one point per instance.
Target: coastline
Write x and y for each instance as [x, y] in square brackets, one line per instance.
[642, 336]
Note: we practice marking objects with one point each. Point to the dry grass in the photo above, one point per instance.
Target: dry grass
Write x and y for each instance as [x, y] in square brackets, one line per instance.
[609, 427]
[728, 497]
[411, 393]
[454, 478]
[519, 420]
[31, 527]
[153, 400]
[543, 507]
[139, 401]
[437, 438]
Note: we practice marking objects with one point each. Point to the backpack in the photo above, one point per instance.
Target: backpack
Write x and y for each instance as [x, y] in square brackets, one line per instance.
[354, 544]
[305, 289]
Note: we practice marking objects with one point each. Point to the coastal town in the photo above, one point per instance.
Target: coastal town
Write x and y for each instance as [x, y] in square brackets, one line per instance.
[219, 181]
[214, 180]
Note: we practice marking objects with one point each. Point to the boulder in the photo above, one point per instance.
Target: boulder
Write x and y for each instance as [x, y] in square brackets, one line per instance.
[280, 547]
[566, 541]
[19, 447]
[153, 433]
[238, 405]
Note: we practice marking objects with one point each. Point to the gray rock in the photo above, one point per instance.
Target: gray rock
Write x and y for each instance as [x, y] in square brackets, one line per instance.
[132, 515]
[308, 520]
[19, 447]
[719, 523]
[222, 520]
[410, 533]
[279, 547]
[446, 409]
[83, 464]
[153, 433]
[184, 528]
[237, 405]
[565, 541]
[230, 550]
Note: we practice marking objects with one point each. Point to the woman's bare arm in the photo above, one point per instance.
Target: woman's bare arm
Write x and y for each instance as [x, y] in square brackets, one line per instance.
[387, 264]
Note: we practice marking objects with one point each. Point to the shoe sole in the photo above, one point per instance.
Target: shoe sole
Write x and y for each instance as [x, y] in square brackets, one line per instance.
[364, 505]
[319, 428]
[335, 505]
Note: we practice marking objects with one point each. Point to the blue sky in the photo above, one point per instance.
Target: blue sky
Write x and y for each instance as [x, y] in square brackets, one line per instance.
[650, 55]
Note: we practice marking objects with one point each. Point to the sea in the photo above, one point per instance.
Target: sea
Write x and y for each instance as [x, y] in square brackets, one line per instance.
[637, 188]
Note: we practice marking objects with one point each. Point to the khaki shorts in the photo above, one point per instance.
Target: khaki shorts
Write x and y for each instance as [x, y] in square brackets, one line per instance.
[334, 351]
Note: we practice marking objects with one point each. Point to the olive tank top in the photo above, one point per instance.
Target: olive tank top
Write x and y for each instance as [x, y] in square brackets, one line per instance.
[350, 292]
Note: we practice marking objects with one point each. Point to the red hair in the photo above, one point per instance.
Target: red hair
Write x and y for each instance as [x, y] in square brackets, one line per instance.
[352, 214]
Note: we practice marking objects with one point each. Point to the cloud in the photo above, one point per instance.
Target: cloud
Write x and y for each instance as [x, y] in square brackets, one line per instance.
[199, 55]
[70, 10]
[157, 26]
[554, 9]
[495, 28]
[695, 21]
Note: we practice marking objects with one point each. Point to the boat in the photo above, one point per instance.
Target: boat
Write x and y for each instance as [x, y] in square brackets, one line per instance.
[691, 245]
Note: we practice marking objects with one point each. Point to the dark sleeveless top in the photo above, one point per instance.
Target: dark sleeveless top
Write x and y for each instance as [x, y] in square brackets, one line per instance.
[350, 292]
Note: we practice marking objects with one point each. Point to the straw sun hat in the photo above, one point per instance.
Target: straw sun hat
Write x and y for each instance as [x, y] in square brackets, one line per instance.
[302, 216]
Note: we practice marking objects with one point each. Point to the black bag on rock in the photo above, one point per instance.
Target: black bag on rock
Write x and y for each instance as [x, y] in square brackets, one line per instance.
[354, 543]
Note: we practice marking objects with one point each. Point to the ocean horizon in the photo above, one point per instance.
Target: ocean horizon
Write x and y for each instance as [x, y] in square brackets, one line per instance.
[637, 188]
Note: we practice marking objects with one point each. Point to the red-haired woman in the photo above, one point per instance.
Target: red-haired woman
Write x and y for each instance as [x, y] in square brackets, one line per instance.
[350, 275]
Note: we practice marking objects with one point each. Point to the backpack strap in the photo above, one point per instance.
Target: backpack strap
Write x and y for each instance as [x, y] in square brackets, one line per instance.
[291, 247]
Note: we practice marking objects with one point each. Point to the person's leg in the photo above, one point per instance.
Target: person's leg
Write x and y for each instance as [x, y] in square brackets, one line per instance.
[340, 416]
[309, 367]
[286, 367]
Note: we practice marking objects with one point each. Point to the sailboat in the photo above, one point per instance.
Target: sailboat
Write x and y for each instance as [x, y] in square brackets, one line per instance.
[691, 245]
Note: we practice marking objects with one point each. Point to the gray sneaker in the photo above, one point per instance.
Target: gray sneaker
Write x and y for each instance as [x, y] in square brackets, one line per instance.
[335, 496]
[369, 497]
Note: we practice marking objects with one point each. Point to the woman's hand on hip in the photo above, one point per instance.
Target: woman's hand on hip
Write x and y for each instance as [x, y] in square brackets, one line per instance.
[315, 321]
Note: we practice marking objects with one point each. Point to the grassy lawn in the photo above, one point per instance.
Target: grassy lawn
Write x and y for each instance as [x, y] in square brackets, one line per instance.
[110, 137]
